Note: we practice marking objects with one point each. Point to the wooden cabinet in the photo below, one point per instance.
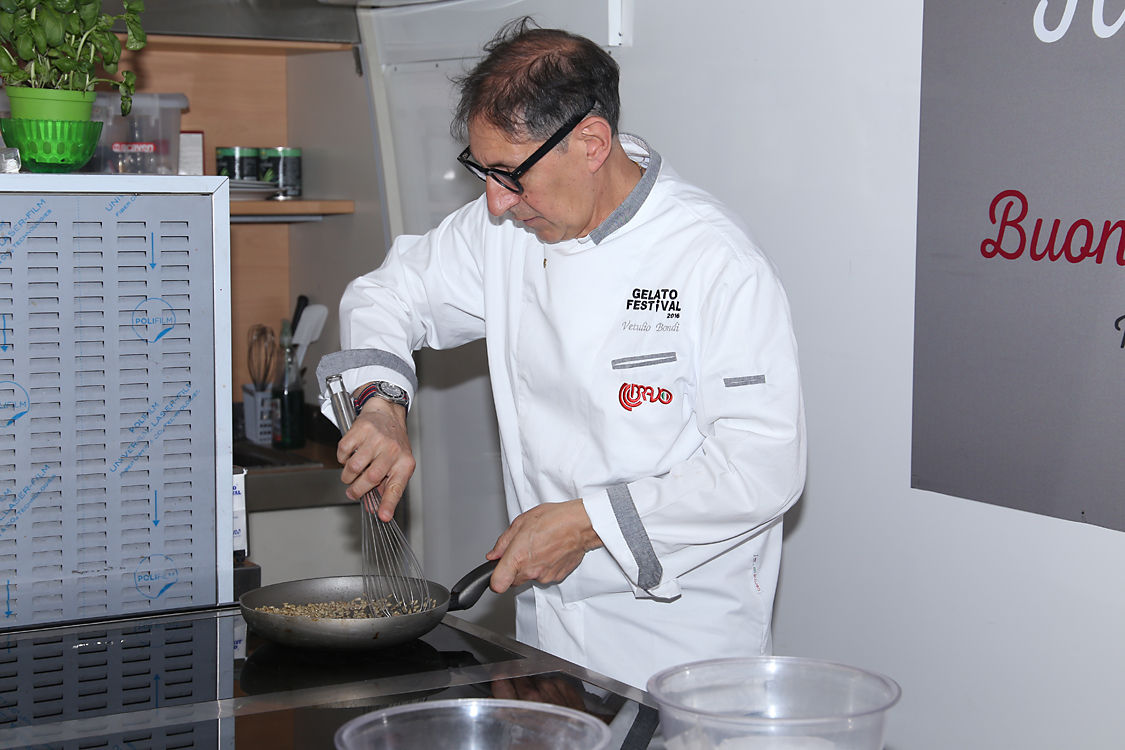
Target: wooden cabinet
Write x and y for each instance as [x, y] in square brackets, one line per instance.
[240, 94]
[237, 88]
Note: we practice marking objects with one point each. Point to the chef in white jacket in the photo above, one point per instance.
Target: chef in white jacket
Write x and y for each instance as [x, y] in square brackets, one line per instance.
[643, 367]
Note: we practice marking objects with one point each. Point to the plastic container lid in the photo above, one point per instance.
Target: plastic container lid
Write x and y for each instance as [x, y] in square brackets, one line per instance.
[143, 104]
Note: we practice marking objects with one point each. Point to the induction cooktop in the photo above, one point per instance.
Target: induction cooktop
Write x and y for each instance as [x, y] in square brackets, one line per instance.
[198, 680]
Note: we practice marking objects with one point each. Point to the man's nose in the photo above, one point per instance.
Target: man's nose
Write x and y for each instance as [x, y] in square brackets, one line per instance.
[500, 199]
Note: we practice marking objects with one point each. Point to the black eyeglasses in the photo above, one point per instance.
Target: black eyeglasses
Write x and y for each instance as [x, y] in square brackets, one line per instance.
[511, 180]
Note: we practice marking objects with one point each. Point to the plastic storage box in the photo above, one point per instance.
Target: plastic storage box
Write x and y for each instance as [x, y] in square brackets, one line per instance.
[145, 142]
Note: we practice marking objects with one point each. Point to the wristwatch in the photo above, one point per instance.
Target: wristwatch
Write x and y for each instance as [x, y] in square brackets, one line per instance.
[384, 390]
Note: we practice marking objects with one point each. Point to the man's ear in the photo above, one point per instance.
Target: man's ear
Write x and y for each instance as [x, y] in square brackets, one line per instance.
[595, 135]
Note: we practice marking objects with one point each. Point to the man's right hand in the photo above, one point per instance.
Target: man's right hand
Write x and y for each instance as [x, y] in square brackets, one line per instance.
[376, 454]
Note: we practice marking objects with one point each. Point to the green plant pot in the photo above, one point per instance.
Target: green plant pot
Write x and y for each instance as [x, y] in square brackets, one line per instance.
[52, 145]
[50, 104]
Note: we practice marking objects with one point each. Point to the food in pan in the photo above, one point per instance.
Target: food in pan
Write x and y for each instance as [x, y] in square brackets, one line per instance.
[356, 609]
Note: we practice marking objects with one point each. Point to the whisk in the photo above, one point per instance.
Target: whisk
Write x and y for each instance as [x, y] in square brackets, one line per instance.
[393, 581]
[260, 355]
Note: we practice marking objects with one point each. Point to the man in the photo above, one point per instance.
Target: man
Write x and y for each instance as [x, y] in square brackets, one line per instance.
[642, 361]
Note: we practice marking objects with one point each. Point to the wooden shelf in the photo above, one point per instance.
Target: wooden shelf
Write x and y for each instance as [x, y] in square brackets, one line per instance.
[291, 208]
[224, 45]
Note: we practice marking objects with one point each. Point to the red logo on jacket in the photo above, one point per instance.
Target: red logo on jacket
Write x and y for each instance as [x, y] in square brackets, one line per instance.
[633, 395]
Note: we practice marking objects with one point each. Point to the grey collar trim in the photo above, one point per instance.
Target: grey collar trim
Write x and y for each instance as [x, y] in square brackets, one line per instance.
[633, 202]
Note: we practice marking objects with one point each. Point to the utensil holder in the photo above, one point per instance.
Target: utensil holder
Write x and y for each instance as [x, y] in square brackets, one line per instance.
[258, 410]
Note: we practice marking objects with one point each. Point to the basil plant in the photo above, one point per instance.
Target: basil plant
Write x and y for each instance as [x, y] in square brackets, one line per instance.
[59, 44]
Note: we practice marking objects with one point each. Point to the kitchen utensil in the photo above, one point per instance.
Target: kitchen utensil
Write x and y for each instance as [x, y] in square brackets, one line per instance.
[308, 330]
[773, 703]
[257, 413]
[260, 356]
[393, 577]
[256, 396]
[360, 633]
[471, 723]
[302, 303]
[288, 397]
[393, 581]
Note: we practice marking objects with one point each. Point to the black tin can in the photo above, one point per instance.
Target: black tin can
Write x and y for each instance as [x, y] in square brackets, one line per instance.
[237, 163]
[283, 166]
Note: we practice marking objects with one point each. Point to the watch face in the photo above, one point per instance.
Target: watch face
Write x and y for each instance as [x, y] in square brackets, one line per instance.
[390, 390]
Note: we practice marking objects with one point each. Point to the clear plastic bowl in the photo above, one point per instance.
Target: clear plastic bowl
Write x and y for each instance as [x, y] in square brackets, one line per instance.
[772, 703]
[474, 724]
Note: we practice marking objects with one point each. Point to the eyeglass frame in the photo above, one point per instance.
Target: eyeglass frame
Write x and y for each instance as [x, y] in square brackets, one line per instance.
[484, 172]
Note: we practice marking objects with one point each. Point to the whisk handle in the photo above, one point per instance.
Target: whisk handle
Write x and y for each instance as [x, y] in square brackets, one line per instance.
[468, 591]
[342, 405]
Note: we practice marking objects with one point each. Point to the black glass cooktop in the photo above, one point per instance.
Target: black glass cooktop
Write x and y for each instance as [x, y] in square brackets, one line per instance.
[199, 680]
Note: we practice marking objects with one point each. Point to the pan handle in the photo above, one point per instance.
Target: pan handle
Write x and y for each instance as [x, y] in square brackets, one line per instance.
[468, 591]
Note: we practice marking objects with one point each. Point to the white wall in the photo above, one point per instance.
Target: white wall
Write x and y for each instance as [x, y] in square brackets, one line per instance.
[305, 543]
[1005, 629]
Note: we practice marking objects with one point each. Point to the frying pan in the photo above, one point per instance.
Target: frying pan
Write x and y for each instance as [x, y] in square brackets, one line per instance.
[365, 633]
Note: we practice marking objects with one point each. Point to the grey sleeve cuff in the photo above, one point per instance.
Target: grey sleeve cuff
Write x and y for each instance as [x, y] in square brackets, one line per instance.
[351, 359]
[649, 569]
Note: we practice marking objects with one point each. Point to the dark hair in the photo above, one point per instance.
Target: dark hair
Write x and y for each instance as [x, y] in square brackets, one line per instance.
[532, 80]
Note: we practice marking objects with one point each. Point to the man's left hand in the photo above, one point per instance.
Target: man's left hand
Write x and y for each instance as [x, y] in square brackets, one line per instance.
[545, 544]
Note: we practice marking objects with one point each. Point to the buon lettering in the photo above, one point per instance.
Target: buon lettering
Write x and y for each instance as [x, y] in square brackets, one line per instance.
[1016, 235]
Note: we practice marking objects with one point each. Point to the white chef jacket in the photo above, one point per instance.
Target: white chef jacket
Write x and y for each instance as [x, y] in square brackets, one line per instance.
[650, 369]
